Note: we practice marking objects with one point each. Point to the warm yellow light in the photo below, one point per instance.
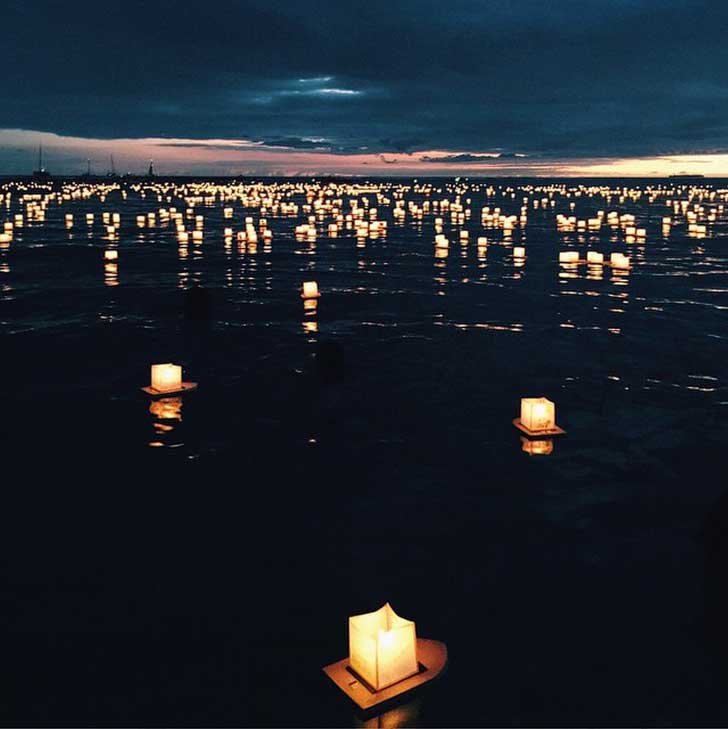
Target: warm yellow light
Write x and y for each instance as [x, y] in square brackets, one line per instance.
[166, 377]
[382, 647]
[310, 290]
[537, 447]
[538, 413]
[594, 257]
[167, 408]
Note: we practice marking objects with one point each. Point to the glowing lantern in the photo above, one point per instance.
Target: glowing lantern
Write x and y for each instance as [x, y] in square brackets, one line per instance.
[310, 290]
[386, 659]
[519, 252]
[111, 255]
[619, 260]
[594, 257]
[538, 417]
[167, 379]
[569, 257]
[382, 647]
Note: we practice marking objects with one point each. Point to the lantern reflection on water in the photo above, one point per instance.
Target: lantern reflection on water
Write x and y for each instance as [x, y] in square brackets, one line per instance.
[386, 659]
[543, 447]
[166, 408]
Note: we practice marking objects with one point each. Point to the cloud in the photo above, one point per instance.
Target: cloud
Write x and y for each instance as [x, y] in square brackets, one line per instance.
[466, 158]
[566, 80]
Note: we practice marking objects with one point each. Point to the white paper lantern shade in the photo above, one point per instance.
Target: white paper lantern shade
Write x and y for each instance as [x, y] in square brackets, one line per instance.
[166, 379]
[310, 290]
[538, 417]
[386, 659]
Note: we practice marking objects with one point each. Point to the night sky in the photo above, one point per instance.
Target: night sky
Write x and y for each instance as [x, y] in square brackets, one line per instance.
[524, 87]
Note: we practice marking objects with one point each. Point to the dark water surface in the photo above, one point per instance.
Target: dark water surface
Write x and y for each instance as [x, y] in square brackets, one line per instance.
[201, 571]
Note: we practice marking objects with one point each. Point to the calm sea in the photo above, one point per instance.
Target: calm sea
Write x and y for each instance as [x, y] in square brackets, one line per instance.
[194, 561]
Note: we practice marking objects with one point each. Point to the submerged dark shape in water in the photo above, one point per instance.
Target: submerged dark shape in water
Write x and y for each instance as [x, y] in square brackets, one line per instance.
[330, 362]
[715, 541]
[198, 304]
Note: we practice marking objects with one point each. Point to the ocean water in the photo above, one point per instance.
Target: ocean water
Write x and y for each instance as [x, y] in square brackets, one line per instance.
[194, 560]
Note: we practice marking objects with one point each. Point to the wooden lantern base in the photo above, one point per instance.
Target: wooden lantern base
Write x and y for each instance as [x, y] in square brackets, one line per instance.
[538, 433]
[315, 296]
[186, 387]
[432, 659]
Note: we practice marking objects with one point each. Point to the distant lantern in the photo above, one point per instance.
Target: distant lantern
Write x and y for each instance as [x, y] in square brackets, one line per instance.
[386, 659]
[594, 257]
[519, 252]
[569, 257]
[619, 260]
[441, 241]
[538, 417]
[167, 380]
[111, 255]
[310, 290]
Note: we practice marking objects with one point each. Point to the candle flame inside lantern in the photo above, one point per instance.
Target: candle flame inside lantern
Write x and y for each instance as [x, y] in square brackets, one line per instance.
[166, 377]
[382, 647]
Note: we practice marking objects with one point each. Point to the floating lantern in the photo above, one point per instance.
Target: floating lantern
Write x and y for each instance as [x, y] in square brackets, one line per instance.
[310, 290]
[386, 659]
[594, 257]
[111, 255]
[569, 257]
[538, 417]
[519, 252]
[619, 260]
[167, 380]
[441, 241]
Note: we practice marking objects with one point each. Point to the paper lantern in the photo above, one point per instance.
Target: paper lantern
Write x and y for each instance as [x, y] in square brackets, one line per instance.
[382, 647]
[538, 417]
[594, 257]
[538, 413]
[310, 290]
[569, 257]
[166, 377]
[386, 659]
[519, 252]
[111, 255]
[619, 260]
